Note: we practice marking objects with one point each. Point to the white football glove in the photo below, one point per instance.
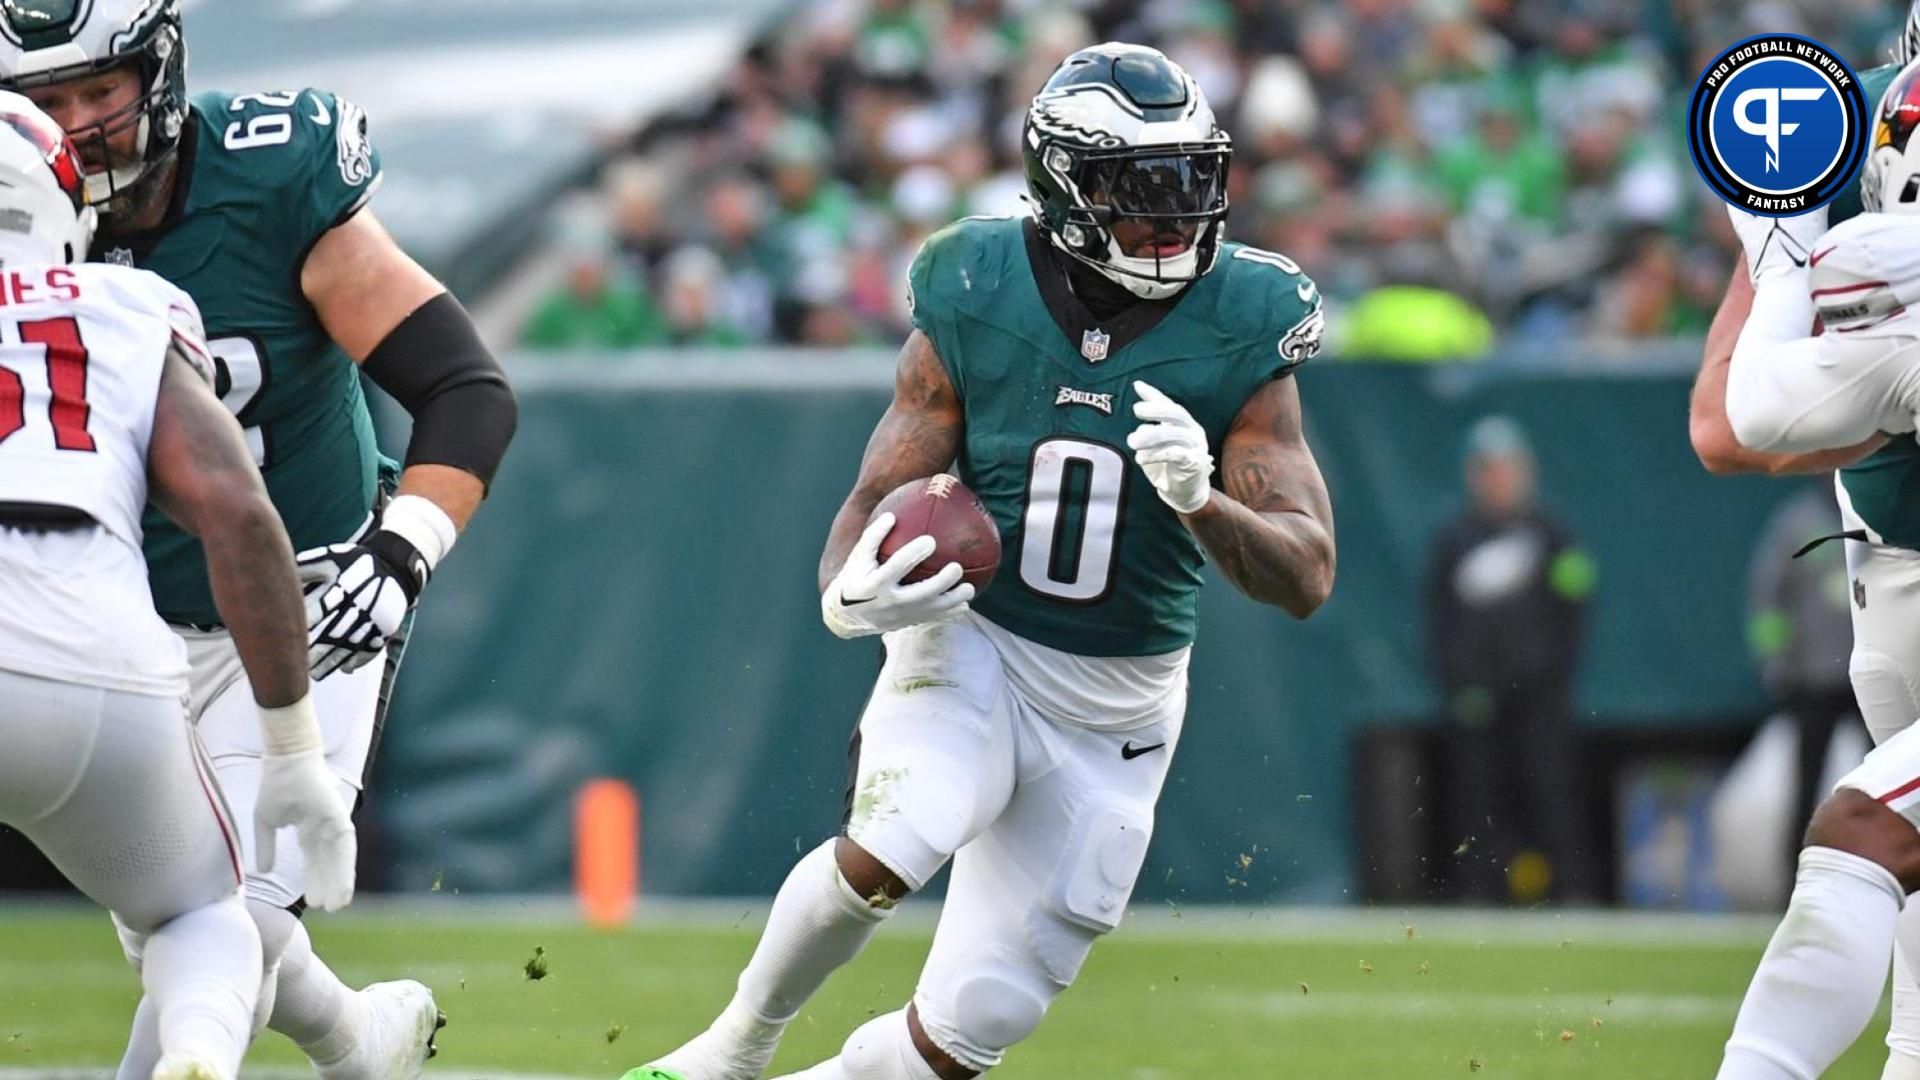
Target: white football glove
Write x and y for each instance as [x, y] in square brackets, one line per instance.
[867, 597]
[1777, 245]
[1171, 447]
[358, 595]
[299, 791]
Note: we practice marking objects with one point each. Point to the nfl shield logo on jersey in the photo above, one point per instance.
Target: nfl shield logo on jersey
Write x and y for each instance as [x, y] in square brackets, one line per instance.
[120, 256]
[1093, 345]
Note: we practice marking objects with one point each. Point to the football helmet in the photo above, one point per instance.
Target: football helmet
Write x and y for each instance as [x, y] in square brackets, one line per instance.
[44, 212]
[1121, 134]
[43, 42]
[1907, 49]
[1890, 180]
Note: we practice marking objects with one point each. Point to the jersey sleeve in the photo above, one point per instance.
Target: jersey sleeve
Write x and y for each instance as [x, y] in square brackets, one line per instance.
[342, 167]
[928, 306]
[189, 339]
[1292, 311]
[1821, 393]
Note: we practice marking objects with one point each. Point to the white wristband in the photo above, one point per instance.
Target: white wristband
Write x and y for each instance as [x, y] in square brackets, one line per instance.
[290, 729]
[420, 522]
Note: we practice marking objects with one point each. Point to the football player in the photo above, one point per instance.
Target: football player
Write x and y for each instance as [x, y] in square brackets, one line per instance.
[256, 205]
[1767, 303]
[1856, 382]
[106, 396]
[1082, 367]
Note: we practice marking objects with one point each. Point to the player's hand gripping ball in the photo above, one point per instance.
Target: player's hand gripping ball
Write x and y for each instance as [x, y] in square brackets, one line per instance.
[908, 567]
[962, 530]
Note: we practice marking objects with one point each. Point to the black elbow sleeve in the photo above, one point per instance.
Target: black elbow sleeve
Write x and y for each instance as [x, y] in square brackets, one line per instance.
[435, 365]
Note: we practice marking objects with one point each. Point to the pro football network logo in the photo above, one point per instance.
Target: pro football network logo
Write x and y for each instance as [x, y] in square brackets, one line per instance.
[1777, 125]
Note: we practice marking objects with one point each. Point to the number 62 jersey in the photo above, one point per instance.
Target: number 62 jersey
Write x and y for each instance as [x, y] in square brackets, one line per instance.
[262, 178]
[1095, 564]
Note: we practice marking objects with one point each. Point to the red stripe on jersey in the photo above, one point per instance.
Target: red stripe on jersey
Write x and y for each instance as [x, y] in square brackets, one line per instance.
[1837, 289]
[219, 806]
[1904, 789]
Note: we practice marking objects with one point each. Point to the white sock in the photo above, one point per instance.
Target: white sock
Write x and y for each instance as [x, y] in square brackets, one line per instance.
[202, 972]
[818, 923]
[311, 1005]
[1819, 982]
[880, 1049]
[1903, 1037]
[143, 1044]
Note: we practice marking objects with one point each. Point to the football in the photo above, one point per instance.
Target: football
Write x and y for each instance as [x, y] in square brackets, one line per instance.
[963, 532]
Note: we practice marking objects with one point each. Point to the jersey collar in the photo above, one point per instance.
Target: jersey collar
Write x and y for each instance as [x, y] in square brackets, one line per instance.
[1071, 314]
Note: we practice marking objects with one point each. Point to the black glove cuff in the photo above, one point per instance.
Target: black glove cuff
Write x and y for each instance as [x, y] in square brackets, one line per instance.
[402, 560]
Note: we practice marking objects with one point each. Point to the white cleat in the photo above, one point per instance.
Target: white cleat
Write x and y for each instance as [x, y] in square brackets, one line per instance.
[729, 1050]
[188, 1067]
[398, 1023]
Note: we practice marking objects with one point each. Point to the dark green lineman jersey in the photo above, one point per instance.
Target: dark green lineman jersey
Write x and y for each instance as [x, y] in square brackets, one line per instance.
[262, 178]
[1884, 487]
[1093, 562]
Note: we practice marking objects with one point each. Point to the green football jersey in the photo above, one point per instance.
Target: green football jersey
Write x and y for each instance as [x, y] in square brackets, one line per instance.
[1093, 562]
[1885, 486]
[262, 177]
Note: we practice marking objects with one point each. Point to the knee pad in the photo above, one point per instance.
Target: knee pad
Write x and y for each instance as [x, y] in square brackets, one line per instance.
[991, 1014]
[1888, 699]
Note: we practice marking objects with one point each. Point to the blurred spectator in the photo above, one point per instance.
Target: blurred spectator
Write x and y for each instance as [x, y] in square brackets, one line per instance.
[1802, 634]
[1521, 154]
[695, 291]
[600, 305]
[1507, 597]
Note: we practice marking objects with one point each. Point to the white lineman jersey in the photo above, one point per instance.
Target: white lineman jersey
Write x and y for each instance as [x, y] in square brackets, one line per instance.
[81, 353]
[1862, 374]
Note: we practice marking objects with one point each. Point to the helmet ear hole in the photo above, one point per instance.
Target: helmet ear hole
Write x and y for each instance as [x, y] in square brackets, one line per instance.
[1912, 189]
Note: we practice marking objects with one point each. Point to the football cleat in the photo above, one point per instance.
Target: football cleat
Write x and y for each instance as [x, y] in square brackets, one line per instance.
[648, 1072]
[400, 1024]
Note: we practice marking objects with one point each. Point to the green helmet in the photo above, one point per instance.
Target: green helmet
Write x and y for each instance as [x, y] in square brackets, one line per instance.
[1121, 132]
[43, 42]
[1907, 49]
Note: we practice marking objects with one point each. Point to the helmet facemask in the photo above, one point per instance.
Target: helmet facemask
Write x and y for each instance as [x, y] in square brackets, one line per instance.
[1149, 216]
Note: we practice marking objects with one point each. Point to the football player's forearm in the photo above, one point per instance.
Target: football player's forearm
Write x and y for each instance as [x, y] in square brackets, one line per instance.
[1284, 558]
[906, 446]
[919, 436]
[1708, 428]
[250, 565]
[455, 491]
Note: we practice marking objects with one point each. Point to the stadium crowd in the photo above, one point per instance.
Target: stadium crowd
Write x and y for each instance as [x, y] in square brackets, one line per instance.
[1450, 171]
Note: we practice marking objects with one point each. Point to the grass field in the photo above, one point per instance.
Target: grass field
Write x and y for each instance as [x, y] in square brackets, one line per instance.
[1175, 995]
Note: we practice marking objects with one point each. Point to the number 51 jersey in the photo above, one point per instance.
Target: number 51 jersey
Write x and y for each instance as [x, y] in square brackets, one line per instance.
[81, 353]
[1095, 564]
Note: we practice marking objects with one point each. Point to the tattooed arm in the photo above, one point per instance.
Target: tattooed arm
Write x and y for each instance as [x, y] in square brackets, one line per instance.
[919, 436]
[1271, 533]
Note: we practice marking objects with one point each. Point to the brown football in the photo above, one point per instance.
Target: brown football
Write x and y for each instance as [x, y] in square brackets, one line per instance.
[963, 532]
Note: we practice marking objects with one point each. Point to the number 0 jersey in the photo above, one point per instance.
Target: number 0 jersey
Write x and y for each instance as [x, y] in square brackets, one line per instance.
[262, 178]
[81, 352]
[1093, 562]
